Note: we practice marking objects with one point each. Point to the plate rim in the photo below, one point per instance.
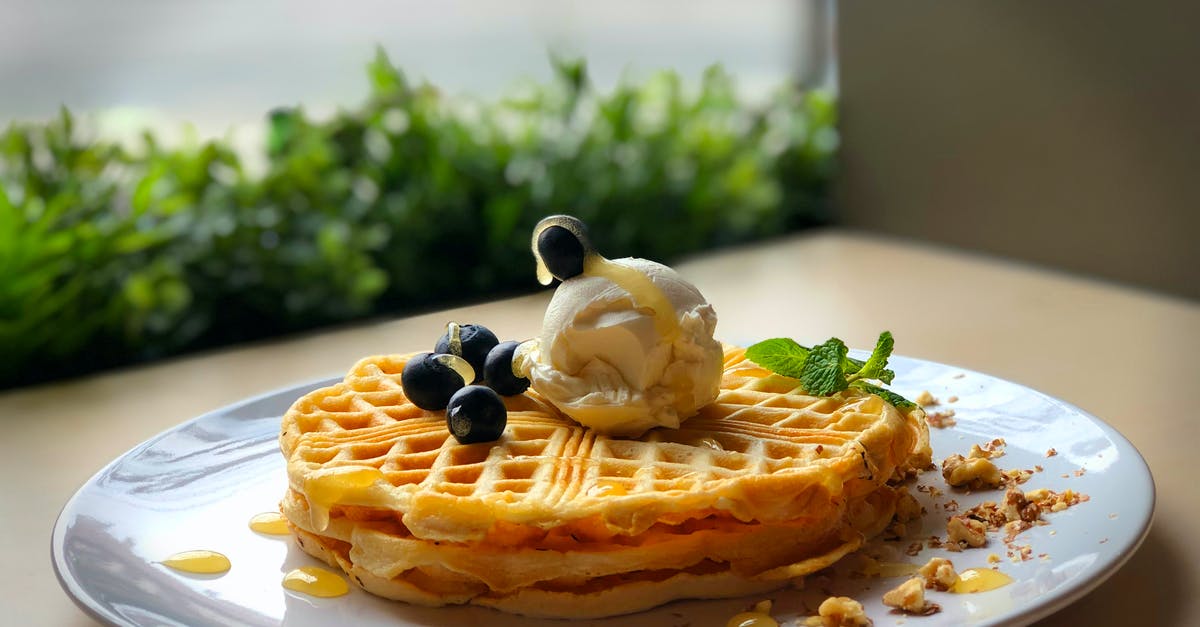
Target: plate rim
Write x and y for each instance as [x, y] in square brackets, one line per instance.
[1066, 596]
[70, 586]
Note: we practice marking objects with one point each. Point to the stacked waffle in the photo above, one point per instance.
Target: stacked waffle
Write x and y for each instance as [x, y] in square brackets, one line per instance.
[765, 485]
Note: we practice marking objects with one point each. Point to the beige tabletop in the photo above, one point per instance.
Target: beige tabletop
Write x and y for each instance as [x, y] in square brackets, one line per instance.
[1127, 356]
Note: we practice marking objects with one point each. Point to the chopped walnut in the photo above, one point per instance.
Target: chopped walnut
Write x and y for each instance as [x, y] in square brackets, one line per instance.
[973, 473]
[1016, 476]
[908, 507]
[1051, 453]
[910, 597]
[962, 530]
[990, 450]
[952, 399]
[939, 574]
[941, 419]
[925, 398]
[839, 612]
[1018, 507]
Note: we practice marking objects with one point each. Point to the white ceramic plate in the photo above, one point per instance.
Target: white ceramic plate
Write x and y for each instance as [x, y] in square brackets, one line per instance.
[197, 485]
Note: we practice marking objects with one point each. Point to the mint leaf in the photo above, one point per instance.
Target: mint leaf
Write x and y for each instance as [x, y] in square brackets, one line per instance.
[823, 373]
[779, 355]
[852, 365]
[895, 399]
[876, 366]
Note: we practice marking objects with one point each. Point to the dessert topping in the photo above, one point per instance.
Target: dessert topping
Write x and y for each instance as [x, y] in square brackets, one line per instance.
[472, 342]
[971, 472]
[498, 370]
[939, 574]
[626, 345]
[826, 369]
[909, 597]
[198, 562]
[839, 612]
[560, 245]
[980, 580]
[316, 581]
[476, 414]
[270, 523]
[430, 379]
[758, 616]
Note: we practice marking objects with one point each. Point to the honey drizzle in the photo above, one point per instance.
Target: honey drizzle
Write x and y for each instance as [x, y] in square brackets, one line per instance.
[759, 616]
[198, 562]
[270, 523]
[337, 486]
[639, 285]
[974, 580]
[316, 581]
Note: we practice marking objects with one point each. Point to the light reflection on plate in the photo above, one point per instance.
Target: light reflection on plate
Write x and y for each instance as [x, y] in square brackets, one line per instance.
[196, 486]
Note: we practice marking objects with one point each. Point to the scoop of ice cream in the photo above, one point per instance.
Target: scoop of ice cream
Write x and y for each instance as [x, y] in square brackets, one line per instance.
[610, 360]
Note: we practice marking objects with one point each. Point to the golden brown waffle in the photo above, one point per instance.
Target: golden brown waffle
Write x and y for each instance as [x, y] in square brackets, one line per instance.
[552, 509]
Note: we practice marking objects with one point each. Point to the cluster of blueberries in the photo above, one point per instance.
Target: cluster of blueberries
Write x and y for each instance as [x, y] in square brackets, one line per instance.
[474, 410]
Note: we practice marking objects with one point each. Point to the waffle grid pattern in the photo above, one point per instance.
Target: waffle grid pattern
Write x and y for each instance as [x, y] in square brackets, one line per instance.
[761, 425]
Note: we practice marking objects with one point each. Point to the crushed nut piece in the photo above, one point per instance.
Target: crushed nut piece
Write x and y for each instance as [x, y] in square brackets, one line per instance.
[972, 473]
[913, 549]
[941, 419]
[839, 612]
[1016, 476]
[962, 530]
[925, 398]
[1018, 507]
[990, 450]
[908, 507]
[993, 558]
[938, 574]
[952, 399]
[910, 597]
[1051, 453]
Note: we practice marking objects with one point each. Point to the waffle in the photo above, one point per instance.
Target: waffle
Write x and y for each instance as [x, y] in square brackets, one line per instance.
[764, 485]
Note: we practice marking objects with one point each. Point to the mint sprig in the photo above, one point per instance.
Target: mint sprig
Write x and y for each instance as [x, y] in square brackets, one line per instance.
[823, 373]
[825, 369]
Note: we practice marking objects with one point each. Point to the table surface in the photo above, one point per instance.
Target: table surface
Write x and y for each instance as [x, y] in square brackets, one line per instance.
[1125, 355]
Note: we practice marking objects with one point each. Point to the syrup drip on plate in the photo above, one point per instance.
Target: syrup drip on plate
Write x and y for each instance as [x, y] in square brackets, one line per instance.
[759, 616]
[316, 581]
[980, 580]
[198, 562]
[270, 523]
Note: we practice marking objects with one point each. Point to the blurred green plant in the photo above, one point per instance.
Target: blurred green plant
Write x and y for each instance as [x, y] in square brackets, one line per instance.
[111, 255]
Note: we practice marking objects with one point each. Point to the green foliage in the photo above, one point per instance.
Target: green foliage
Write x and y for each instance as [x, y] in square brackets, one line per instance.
[111, 255]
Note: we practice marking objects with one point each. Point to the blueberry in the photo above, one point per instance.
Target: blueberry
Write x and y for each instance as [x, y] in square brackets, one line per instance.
[476, 414]
[430, 380]
[560, 245]
[498, 370]
[561, 251]
[472, 342]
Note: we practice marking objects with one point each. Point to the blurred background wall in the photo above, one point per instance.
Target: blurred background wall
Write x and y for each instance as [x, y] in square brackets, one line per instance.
[1061, 133]
[221, 64]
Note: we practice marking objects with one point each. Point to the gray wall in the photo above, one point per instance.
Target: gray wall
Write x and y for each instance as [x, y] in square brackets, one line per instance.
[1061, 133]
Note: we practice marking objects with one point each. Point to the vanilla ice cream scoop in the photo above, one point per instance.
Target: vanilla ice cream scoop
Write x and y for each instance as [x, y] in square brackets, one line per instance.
[625, 346]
